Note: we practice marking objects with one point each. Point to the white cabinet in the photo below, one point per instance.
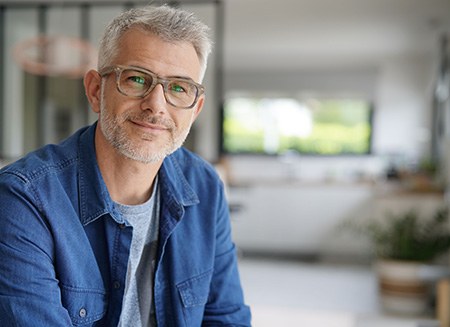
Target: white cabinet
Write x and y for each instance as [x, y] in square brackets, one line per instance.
[305, 218]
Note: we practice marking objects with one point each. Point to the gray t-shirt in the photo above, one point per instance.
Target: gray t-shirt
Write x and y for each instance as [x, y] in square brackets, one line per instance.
[138, 306]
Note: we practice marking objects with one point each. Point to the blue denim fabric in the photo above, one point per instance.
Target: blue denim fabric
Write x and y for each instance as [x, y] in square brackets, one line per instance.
[64, 247]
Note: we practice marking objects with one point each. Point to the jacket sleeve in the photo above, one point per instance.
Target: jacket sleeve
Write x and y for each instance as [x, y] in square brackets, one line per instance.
[29, 290]
[225, 305]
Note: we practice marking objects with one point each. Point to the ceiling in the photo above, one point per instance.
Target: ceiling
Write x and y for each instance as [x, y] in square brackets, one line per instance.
[324, 34]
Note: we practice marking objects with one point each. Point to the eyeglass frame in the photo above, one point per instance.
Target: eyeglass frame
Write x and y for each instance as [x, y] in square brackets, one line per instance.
[118, 69]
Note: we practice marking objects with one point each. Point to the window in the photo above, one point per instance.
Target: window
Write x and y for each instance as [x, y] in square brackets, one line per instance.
[268, 125]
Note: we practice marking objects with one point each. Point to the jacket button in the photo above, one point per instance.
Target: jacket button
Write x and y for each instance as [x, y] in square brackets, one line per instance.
[116, 284]
[82, 312]
[122, 226]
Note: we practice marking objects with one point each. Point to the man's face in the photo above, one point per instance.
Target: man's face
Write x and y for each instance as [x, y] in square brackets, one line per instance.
[148, 129]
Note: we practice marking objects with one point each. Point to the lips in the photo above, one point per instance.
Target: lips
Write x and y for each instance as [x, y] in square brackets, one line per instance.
[150, 125]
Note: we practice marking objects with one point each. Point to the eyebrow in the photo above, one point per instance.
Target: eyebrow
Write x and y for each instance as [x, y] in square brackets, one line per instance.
[170, 76]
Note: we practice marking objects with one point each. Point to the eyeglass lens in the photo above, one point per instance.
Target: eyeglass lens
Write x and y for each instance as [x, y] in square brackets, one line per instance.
[178, 92]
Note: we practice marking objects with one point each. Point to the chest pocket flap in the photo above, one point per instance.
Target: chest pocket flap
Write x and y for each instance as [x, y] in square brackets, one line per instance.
[85, 306]
[194, 292]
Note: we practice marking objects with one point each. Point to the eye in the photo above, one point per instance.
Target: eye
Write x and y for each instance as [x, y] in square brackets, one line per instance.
[177, 88]
[134, 79]
[137, 79]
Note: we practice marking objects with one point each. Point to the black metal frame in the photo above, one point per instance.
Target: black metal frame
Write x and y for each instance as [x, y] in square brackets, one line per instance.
[42, 85]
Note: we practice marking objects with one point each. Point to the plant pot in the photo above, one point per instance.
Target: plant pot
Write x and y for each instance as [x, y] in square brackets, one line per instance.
[404, 288]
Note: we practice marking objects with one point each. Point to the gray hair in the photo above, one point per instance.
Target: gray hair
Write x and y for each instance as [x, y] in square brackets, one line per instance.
[170, 24]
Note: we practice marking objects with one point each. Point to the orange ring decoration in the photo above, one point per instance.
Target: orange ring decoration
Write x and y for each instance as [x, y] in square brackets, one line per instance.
[55, 56]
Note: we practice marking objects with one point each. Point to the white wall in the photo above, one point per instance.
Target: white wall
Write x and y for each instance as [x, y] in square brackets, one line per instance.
[404, 107]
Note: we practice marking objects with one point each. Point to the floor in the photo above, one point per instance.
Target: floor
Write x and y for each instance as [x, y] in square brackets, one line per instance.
[292, 293]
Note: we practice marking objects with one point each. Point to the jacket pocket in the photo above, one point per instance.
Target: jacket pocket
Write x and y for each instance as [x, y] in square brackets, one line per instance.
[85, 306]
[194, 291]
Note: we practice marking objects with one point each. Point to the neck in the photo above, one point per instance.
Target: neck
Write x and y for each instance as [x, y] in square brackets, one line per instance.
[128, 181]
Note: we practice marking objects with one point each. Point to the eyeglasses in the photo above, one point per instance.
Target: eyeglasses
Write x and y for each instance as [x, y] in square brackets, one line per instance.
[138, 82]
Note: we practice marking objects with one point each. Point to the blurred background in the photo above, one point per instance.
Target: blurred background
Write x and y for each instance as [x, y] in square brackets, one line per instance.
[320, 114]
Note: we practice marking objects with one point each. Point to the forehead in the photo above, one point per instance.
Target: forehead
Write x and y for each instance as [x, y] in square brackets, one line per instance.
[147, 50]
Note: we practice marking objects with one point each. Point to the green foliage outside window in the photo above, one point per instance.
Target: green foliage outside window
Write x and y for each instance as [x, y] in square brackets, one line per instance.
[274, 126]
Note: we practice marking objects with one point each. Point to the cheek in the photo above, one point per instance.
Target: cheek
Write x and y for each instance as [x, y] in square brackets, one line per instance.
[112, 101]
[185, 121]
[112, 106]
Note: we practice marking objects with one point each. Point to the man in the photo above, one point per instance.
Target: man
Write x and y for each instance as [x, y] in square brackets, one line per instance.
[118, 225]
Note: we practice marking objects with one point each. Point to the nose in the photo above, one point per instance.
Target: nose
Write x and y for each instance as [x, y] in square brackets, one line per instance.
[155, 100]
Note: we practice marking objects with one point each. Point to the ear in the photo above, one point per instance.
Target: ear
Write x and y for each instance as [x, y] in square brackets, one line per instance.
[92, 87]
[198, 107]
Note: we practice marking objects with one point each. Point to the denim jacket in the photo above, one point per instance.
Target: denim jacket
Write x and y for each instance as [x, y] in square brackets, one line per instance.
[64, 247]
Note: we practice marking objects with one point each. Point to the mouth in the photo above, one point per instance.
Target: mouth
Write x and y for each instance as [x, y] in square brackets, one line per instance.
[150, 127]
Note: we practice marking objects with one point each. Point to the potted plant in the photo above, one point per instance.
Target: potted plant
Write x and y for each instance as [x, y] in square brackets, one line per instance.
[406, 246]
